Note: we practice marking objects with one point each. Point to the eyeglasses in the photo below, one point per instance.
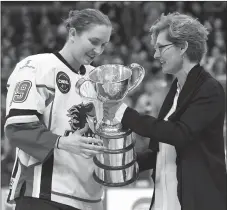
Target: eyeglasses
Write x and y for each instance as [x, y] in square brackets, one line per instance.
[160, 48]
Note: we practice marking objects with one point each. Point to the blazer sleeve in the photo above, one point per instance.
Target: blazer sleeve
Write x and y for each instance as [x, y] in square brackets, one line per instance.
[204, 108]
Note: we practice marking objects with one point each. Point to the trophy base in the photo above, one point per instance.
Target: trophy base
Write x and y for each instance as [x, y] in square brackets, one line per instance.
[117, 165]
[111, 131]
[117, 178]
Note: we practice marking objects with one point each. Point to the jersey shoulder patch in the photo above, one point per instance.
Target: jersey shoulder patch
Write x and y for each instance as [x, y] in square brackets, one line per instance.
[63, 82]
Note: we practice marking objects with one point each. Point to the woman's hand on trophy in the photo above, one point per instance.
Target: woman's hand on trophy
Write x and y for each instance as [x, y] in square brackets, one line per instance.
[80, 145]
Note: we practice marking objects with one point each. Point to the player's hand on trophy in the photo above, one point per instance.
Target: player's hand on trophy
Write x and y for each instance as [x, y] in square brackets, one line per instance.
[81, 145]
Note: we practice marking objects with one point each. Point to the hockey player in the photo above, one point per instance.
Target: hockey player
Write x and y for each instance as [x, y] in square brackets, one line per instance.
[47, 123]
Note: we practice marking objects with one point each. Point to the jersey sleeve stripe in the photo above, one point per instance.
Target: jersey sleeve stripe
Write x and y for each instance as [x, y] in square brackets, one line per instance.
[23, 112]
[21, 119]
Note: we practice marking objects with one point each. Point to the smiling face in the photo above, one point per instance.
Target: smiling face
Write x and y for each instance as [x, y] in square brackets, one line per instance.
[90, 43]
[169, 55]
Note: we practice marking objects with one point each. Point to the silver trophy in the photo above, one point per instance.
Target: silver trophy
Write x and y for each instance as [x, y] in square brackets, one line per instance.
[117, 166]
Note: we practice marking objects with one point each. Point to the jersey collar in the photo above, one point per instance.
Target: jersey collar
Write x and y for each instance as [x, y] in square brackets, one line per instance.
[82, 69]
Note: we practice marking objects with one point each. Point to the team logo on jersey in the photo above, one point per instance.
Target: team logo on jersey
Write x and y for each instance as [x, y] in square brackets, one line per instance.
[27, 65]
[63, 82]
[78, 118]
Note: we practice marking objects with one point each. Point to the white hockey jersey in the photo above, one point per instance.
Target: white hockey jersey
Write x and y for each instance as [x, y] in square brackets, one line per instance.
[42, 104]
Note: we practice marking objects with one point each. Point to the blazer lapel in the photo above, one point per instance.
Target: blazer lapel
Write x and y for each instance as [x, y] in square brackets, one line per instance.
[194, 80]
[167, 104]
[190, 84]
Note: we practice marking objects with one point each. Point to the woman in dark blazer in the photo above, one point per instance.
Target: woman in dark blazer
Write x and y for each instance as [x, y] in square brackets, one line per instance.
[186, 148]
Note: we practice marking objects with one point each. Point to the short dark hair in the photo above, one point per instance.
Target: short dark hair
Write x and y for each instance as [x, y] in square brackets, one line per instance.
[183, 28]
[82, 20]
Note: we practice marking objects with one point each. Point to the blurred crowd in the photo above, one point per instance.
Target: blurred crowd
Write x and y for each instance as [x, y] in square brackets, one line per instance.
[37, 27]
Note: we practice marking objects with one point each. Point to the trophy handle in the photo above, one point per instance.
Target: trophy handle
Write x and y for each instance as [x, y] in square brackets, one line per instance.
[141, 71]
[78, 85]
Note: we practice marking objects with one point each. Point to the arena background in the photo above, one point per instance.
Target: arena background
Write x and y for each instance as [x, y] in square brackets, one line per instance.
[36, 27]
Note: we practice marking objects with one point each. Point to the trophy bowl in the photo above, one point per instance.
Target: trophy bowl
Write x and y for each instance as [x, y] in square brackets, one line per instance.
[111, 81]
